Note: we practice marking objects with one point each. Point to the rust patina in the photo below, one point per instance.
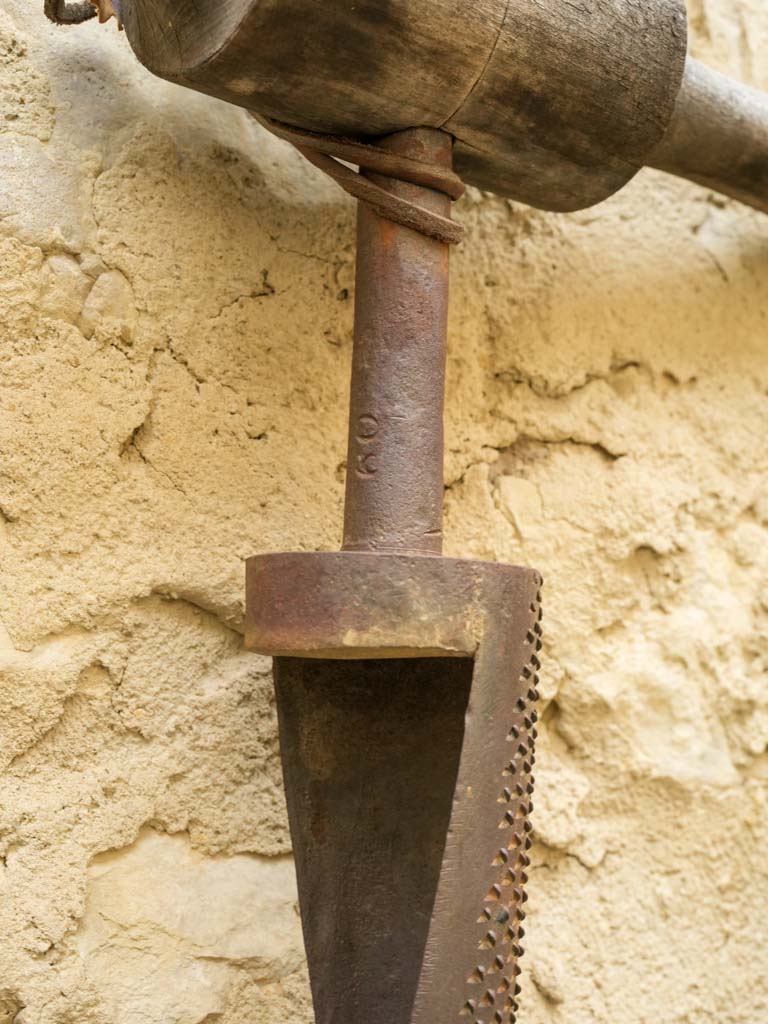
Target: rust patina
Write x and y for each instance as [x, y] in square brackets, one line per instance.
[405, 681]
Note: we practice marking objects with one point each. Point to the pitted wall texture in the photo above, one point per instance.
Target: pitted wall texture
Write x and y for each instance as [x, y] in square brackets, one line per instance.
[175, 338]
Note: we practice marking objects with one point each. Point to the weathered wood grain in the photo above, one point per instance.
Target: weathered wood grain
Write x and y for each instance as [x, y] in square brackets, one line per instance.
[553, 103]
[718, 136]
[367, 68]
[574, 97]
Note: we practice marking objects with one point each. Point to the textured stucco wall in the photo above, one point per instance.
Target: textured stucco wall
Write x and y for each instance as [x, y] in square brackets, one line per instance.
[175, 320]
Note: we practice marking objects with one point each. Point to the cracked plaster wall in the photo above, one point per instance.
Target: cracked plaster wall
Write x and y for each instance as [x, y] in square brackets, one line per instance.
[175, 309]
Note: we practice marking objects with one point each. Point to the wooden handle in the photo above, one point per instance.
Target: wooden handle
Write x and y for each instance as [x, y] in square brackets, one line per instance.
[718, 136]
[555, 105]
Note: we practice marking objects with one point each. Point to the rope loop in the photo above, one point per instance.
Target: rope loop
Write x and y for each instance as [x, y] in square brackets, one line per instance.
[327, 151]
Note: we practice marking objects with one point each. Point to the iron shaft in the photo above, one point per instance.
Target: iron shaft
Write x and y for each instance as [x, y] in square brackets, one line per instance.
[394, 493]
[405, 682]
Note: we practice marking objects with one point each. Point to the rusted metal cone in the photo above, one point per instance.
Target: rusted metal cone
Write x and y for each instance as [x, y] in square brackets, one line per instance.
[407, 730]
[406, 682]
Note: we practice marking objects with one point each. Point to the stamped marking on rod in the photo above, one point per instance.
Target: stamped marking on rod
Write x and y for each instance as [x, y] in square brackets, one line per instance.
[367, 431]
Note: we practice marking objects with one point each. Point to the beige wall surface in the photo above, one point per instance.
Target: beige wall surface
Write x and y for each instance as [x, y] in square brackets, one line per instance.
[175, 338]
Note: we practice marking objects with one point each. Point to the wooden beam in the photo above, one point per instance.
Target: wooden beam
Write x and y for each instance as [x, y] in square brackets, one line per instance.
[555, 104]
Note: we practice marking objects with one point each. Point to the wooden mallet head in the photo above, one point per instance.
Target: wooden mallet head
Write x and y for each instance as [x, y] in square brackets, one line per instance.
[554, 104]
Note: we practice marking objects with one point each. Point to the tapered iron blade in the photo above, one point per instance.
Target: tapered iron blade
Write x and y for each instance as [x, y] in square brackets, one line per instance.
[408, 778]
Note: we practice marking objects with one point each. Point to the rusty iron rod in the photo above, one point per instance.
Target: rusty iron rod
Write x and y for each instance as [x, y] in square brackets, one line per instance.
[394, 494]
[405, 682]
